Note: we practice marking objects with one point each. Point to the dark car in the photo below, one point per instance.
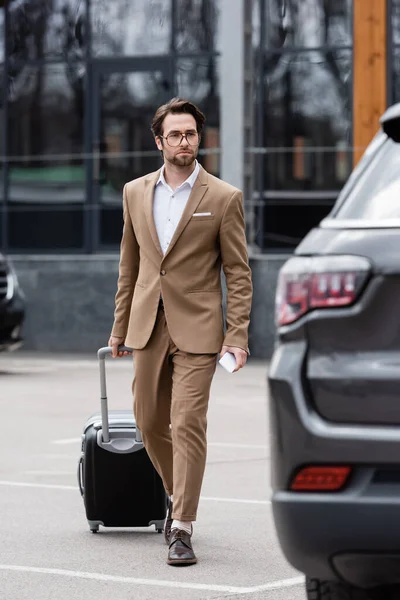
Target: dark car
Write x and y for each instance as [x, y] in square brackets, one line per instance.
[334, 388]
[12, 307]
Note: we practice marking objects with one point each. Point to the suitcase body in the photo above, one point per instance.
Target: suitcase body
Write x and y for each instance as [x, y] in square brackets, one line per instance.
[118, 483]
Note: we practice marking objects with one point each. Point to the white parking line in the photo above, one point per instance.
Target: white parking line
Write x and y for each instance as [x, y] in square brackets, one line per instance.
[77, 440]
[272, 585]
[239, 446]
[52, 473]
[235, 500]
[54, 486]
[48, 486]
[56, 456]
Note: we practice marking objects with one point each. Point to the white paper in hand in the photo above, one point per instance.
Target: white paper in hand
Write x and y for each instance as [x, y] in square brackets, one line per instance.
[228, 361]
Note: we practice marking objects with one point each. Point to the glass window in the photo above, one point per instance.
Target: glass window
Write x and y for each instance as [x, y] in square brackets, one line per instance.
[1, 121]
[394, 7]
[131, 27]
[197, 25]
[308, 23]
[1, 163]
[45, 29]
[395, 73]
[46, 171]
[128, 102]
[256, 23]
[1, 39]
[307, 120]
[198, 79]
[375, 195]
[362, 164]
[281, 232]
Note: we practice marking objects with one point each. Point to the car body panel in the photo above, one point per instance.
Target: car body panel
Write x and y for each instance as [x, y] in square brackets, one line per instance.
[334, 399]
[381, 246]
[314, 528]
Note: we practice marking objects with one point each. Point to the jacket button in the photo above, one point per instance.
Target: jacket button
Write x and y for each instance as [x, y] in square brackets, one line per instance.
[163, 272]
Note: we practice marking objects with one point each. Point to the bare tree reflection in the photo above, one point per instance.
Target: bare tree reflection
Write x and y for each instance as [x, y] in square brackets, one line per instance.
[306, 109]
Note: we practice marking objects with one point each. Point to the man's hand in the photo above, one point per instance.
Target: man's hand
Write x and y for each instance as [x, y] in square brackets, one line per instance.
[240, 356]
[114, 342]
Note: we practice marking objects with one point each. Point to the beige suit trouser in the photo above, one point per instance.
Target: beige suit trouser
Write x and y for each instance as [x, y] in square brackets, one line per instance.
[172, 387]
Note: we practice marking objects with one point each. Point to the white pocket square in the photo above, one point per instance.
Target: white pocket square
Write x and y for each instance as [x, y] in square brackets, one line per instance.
[205, 214]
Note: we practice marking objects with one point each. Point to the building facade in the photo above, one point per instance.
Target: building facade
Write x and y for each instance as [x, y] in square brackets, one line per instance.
[292, 91]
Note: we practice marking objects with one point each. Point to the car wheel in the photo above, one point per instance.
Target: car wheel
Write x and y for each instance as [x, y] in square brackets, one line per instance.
[335, 590]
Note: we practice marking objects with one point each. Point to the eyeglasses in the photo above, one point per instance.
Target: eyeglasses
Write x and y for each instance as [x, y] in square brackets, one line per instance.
[175, 138]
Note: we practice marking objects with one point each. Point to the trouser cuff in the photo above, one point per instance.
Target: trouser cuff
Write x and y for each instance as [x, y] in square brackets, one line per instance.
[180, 517]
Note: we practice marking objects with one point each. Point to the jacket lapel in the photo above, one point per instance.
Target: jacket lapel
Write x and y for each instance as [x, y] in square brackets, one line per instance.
[150, 183]
[199, 189]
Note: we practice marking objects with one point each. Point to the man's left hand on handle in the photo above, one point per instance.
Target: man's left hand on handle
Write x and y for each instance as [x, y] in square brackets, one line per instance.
[239, 353]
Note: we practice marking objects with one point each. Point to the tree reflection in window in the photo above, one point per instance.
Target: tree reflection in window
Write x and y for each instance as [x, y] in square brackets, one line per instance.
[42, 29]
[395, 91]
[308, 23]
[394, 19]
[307, 111]
[1, 39]
[197, 25]
[131, 27]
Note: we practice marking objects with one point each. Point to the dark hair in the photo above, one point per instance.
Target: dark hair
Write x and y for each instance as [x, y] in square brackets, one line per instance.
[176, 106]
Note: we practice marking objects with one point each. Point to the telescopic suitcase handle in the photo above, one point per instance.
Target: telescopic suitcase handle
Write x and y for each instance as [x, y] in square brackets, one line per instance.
[101, 354]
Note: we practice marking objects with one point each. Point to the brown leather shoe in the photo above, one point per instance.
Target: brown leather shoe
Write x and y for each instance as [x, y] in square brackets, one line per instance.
[168, 522]
[180, 549]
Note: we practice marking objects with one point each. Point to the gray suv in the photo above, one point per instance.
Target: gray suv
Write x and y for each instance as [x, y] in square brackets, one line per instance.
[334, 388]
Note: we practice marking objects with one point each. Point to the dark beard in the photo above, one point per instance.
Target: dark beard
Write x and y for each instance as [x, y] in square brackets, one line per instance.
[183, 160]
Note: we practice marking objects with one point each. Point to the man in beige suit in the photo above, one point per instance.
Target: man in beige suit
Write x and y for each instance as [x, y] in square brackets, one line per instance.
[180, 225]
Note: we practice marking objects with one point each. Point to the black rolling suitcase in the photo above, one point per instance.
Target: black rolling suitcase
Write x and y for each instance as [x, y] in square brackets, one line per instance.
[118, 483]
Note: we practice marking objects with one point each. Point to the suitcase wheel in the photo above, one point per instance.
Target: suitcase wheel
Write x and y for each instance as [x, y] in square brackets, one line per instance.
[159, 530]
[94, 529]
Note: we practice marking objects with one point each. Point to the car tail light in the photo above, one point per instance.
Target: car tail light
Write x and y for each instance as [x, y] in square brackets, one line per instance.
[320, 479]
[307, 283]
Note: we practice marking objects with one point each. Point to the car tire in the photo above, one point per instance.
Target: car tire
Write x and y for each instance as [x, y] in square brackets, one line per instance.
[335, 590]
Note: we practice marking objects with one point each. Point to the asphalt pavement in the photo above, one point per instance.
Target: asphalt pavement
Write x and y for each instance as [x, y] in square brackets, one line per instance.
[47, 550]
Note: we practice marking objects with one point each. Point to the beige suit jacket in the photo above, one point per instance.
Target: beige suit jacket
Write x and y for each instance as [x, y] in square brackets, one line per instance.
[188, 276]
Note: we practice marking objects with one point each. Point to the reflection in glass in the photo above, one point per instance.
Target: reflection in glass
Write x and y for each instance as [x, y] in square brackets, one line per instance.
[256, 23]
[307, 120]
[308, 23]
[395, 76]
[1, 122]
[394, 20]
[198, 80]
[128, 104]
[197, 25]
[1, 42]
[45, 29]
[131, 27]
[126, 143]
[45, 144]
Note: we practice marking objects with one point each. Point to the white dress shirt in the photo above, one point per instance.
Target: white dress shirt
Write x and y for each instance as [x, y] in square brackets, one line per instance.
[169, 204]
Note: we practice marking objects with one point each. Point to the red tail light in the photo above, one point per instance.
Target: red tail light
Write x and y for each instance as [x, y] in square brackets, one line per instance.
[320, 479]
[318, 282]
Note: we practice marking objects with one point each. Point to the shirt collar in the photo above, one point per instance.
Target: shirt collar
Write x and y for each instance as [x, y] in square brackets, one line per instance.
[190, 180]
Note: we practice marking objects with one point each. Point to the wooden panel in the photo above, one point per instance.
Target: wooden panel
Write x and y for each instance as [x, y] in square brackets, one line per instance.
[369, 76]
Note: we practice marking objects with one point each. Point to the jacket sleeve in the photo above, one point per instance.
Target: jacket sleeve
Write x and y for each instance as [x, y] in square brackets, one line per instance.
[235, 264]
[128, 272]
